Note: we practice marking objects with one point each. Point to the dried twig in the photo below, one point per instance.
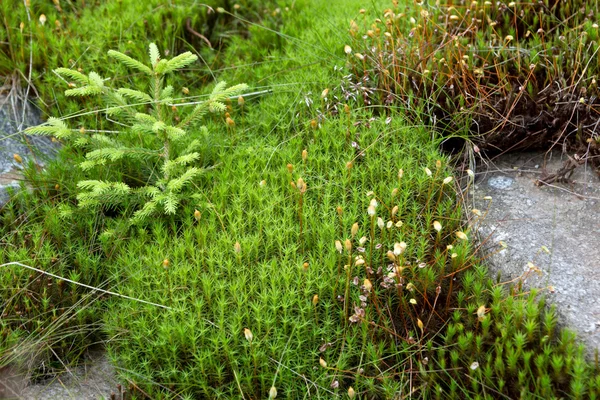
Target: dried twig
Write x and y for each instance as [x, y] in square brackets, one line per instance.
[188, 27]
[563, 174]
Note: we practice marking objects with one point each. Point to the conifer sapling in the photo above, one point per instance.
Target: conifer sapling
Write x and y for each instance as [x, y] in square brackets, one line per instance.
[149, 134]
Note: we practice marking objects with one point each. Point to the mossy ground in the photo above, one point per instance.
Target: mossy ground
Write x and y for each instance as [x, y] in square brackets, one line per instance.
[262, 255]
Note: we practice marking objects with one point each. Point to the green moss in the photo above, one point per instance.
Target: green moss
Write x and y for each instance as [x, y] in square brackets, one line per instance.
[438, 328]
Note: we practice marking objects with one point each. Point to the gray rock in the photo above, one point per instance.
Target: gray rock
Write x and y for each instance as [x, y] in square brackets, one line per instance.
[551, 233]
[94, 379]
[38, 149]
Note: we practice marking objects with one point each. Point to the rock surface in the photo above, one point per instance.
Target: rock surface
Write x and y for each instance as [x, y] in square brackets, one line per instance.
[94, 379]
[554, 229]
[12, 141]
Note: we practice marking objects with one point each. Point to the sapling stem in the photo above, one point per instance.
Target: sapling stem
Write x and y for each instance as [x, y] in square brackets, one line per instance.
[372, 240]
[300, 204]
[315, 302]
[301, 186]
[166, 264]
[348, 122]
[340, 211]
[339, 249]
[349, 166]
[348, 246]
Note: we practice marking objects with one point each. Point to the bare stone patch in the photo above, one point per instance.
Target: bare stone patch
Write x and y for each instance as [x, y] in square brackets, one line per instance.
[548, 235]
[94, 379]
[13, 120]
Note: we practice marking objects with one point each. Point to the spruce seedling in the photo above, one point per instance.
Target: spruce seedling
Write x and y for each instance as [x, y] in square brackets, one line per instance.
[150, 137]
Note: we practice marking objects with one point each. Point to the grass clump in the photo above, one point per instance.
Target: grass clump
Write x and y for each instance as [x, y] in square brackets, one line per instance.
[516, 76]
[47, 322]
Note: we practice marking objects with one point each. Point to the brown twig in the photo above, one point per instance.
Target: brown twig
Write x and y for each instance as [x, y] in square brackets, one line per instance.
[188, 27]
[563, 174]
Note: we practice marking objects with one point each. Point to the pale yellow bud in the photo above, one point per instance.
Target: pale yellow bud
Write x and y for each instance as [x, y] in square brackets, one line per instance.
[354, 229]
[399, 248]
[197, 215]
[315, 299]
[301, 185]
[324, 93]
[237, 248]
[323, 363]
[461, 235]
[351, 393]
[368, 285]
[248, 335]
[17, 158]
[42, 19]
[304, 155]
[338, 246]
[272, 392]
[481, 313]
